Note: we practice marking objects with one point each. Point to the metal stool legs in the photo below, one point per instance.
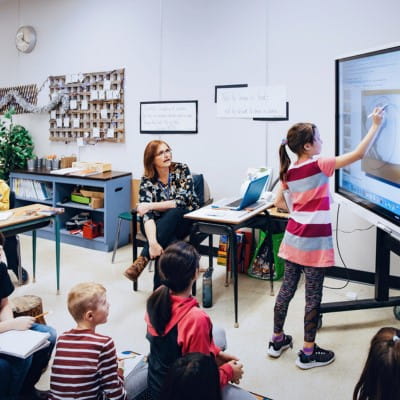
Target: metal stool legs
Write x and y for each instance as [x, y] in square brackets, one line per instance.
[116, 239]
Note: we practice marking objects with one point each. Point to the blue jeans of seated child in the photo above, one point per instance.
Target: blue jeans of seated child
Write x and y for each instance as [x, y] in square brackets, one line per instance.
[18, 375]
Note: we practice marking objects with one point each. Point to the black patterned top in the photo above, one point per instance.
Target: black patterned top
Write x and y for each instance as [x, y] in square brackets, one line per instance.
[180, 188]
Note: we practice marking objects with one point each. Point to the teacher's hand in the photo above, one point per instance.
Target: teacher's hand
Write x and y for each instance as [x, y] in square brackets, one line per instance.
[155, 250]
[143, 208]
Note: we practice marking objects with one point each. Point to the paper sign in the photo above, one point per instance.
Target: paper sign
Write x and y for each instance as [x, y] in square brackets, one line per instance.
[94, 95]
[75, 123]
[66, 122]
[59, 122]
[72, 104]
[110, 132]
[53, 114]
[84, 105]
[104, 113]
[96, 132]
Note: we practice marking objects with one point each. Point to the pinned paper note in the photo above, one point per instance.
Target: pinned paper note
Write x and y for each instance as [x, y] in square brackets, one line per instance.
[66, 122]
[102, 94]
[104, 113]
[75, 123]
[96, 132]
[59, 122]
[73, 104]
[84, 105]
[94, 95]
[86, 134]
[53, 114]
[110, 132]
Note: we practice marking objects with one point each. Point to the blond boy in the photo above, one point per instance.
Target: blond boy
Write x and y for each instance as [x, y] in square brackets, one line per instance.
[85, 363]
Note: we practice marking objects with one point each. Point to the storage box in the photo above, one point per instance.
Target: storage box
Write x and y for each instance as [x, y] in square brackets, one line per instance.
[90, 230]
[66, 162]
[96, 202]
[98, 166]
[79, 198]
[92, 193]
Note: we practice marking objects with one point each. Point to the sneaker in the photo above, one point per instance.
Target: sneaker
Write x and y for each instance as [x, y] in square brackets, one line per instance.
[275, 349]
[134, 271]
[318, 358]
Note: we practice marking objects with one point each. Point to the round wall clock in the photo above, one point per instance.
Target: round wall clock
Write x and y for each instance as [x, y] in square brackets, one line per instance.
[25, 39]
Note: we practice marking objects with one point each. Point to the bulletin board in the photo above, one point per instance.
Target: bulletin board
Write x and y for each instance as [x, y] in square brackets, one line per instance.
[96, 109]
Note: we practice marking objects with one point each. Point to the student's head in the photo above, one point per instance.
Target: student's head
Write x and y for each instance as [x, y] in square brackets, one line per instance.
[380, 378]
[194, 376]
[179, 266]
[157, 154]
[87, 302]
[302, 138]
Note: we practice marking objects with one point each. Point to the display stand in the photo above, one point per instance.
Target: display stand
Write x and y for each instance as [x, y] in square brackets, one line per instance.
[385, 243]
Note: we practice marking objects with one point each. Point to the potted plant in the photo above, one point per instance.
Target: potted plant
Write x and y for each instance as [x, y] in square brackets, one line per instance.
[16, 146]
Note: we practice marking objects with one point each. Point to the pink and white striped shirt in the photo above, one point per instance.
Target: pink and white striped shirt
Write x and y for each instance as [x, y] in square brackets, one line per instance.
[85, 367]
[308, 236]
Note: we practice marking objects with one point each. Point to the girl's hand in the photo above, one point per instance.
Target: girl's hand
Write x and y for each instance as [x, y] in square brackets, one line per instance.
[223, 358]
[143, 208]
[237, 369]
[155, 250]
[120, 369]
[22, 323]
[377, 115]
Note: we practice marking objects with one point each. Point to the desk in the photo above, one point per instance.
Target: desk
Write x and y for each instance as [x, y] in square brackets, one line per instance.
[226, 222]
[25, 219]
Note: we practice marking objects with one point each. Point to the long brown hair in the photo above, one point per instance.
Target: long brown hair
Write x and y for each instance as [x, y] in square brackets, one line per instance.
[380, 378]
[298, 135]
[150, 153]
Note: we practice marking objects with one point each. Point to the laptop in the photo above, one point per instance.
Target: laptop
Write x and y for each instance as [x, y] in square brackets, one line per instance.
[252, 194]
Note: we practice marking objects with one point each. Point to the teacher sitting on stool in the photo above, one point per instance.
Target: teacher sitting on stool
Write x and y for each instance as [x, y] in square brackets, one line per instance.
[166, 194]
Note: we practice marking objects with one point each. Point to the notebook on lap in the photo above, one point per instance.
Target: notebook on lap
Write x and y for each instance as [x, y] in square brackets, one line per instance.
[252, 194]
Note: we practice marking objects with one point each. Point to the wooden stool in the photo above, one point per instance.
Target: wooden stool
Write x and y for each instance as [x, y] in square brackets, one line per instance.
[28, 305]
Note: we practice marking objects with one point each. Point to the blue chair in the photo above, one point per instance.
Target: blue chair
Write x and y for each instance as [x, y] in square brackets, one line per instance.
[125, 216]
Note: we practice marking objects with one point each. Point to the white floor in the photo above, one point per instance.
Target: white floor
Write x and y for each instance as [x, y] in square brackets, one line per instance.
[346, 333]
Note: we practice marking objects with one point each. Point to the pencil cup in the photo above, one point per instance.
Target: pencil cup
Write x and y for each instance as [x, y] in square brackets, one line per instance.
[55, 164]
[31, 164]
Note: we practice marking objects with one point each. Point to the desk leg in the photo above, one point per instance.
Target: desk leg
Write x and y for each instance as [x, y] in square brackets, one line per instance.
[57, 234]
[233, 253]
[34, 255]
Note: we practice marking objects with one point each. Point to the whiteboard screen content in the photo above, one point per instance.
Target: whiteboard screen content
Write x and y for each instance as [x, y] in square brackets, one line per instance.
[365, 81]
[168, 116]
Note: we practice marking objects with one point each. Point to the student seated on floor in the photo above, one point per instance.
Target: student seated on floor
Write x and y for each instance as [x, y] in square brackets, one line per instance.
[85, 364]
[18, 376]
[380, 378]
[194, 376]
[177, 326]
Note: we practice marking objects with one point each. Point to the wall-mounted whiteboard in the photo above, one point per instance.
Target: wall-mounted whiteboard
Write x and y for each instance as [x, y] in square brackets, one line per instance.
[252, 102]
[168, 116]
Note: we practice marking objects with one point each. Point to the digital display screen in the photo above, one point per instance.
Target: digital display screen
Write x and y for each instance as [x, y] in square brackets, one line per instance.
[363, 82]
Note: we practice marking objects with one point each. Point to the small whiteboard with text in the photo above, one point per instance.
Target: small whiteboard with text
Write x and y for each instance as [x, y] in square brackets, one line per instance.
[168, 116]
[252, 102]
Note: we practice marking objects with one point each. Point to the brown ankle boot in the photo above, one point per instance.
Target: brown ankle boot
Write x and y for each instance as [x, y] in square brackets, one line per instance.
[134, 271]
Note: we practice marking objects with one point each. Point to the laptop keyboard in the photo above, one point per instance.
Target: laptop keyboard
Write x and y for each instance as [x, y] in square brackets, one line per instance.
[235, 203]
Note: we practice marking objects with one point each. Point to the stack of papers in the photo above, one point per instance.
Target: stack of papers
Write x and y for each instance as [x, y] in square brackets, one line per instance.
[5, 215]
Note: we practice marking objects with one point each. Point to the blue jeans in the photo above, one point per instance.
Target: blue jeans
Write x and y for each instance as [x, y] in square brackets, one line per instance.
[18, 375]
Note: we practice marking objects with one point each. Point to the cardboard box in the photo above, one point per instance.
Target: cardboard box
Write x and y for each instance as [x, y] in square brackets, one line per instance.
[96, 202]
[92, 193]
[98, 166]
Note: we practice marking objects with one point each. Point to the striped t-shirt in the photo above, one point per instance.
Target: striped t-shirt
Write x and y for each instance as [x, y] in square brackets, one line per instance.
[308, 236]
[85, 367]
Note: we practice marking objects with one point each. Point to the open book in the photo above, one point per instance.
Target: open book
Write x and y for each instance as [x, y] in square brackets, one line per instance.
[22, 343]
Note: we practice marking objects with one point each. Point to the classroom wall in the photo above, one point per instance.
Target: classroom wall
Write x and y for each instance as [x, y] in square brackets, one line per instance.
[181, 49]
[171, 50]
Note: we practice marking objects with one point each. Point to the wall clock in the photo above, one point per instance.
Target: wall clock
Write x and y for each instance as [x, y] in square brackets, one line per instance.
[25, 39]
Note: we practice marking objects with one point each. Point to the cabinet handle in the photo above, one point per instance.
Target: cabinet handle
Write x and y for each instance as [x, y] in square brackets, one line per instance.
[118, 189]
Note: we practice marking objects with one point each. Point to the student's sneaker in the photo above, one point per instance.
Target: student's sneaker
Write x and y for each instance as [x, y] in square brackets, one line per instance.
[275, 349]
[318, 358]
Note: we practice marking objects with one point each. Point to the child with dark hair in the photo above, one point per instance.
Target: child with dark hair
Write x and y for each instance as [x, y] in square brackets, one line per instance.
[177, 326]
[194, 376]
[307, 245]
[380, 378]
